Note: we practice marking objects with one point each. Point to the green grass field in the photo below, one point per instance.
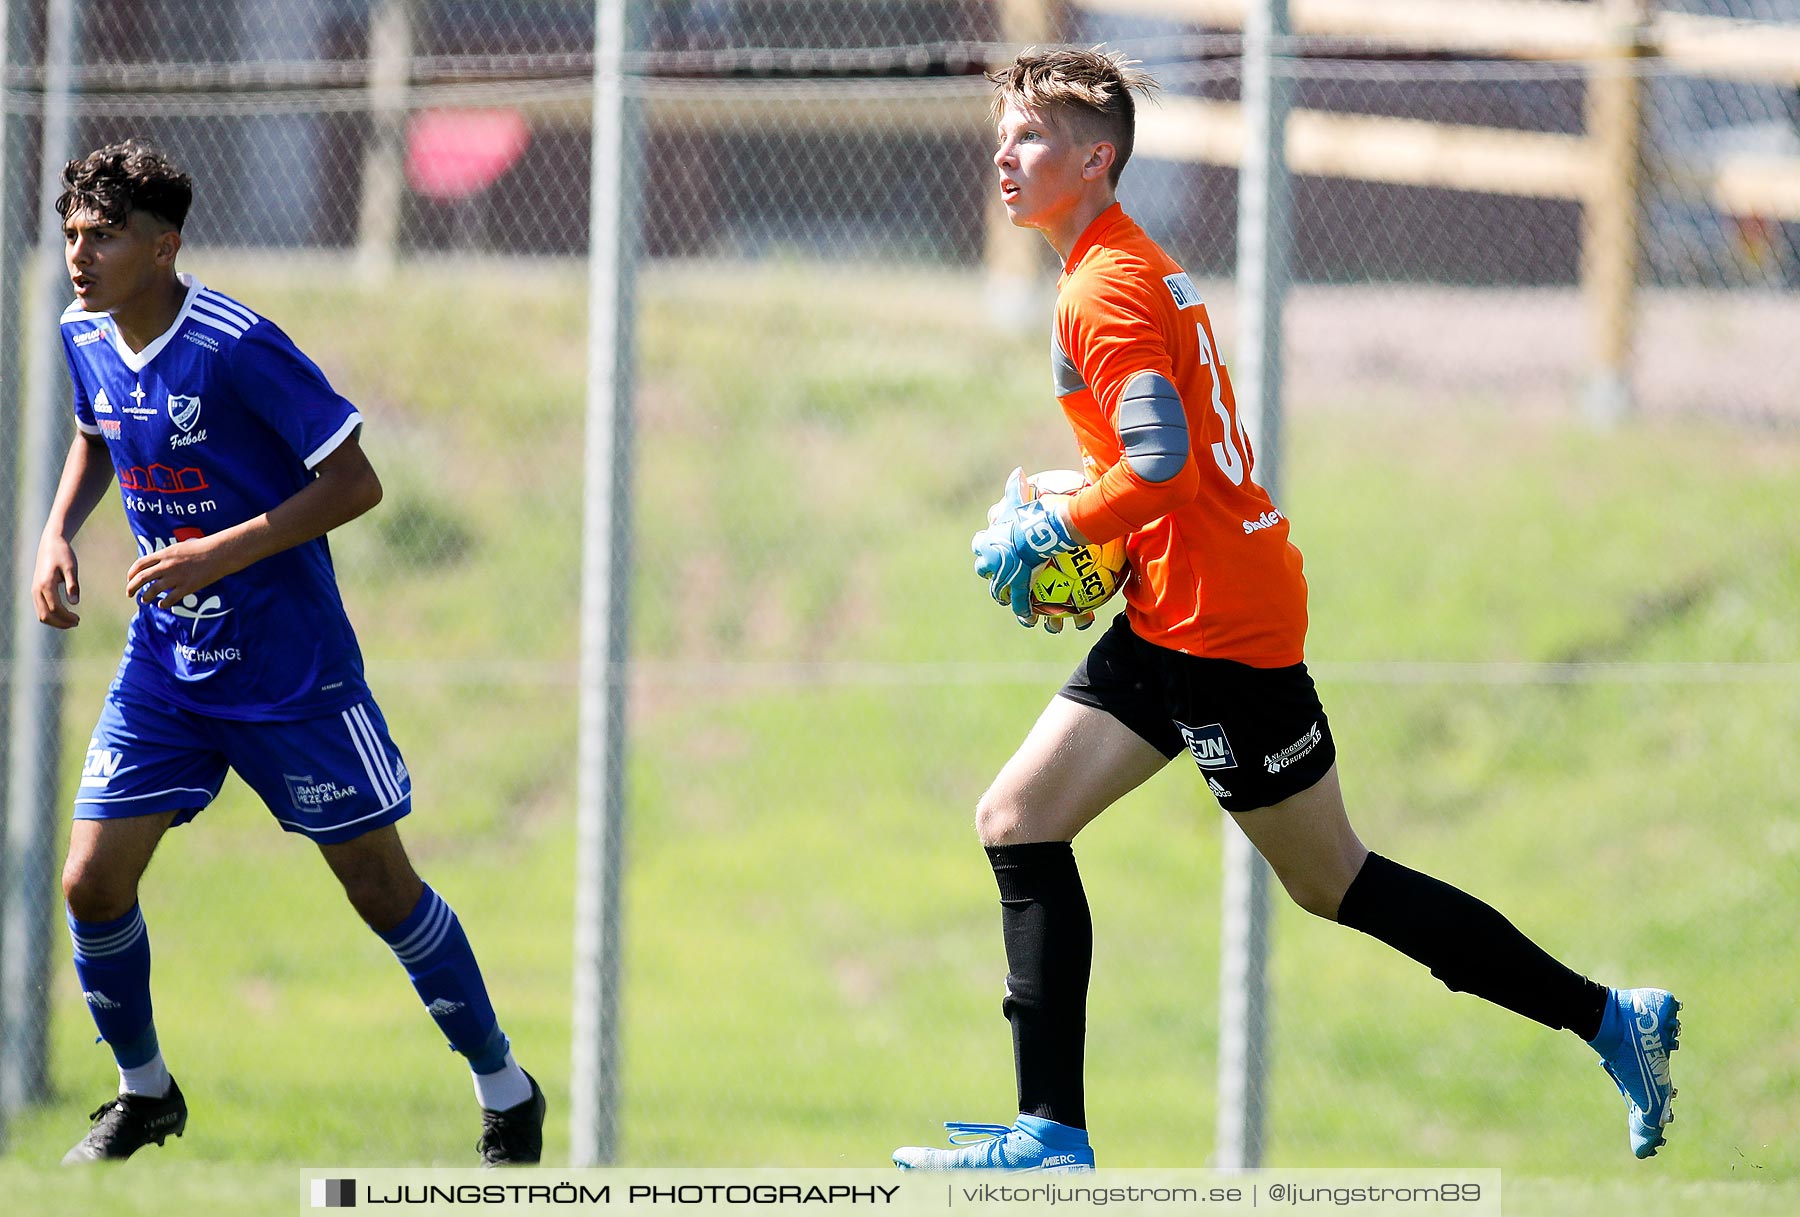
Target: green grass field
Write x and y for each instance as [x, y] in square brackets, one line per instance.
[813, 965]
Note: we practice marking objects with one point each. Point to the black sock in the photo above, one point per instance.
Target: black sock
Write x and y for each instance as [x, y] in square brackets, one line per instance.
[1469, 946]
[1049, 950]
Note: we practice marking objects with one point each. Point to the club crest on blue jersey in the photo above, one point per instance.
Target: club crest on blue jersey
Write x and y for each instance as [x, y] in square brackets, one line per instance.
[184, 412]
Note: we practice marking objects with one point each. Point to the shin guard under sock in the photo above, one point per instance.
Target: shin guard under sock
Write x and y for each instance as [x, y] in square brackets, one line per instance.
[1049, 951]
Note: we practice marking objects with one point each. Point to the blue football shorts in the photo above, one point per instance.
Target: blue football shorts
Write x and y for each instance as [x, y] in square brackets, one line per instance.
[331, 778]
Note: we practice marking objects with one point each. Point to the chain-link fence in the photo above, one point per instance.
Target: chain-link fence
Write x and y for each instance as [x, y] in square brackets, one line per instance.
[1560, 660]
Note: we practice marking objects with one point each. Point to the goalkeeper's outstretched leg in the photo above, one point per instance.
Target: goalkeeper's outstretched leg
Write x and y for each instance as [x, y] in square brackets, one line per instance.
[1470, 947]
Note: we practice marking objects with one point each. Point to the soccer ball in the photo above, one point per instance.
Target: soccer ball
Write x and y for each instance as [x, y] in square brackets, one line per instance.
[1084, 579]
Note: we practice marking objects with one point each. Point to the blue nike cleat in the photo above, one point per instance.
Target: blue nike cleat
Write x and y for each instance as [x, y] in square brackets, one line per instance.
[1033, 1144]
[1640, 1029]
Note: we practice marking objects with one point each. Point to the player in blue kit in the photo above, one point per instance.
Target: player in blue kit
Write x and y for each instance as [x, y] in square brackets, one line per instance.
[234, 457]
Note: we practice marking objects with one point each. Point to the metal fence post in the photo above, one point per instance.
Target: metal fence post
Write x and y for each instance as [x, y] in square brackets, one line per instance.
[27, 924]
[1262, 286]
[14, 206]
[605, 603]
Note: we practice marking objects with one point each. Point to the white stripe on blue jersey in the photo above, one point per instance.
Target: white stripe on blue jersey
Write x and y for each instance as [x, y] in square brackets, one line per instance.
[204, 305]
[333, 442]
[224, 327]
[218, 318]
[228, 307]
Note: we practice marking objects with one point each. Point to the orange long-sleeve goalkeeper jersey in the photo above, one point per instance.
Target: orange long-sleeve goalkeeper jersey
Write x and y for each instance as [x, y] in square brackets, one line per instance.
[1213, 573]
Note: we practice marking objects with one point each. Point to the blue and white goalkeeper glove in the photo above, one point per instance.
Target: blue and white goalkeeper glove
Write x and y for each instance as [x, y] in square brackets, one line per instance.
[1022, 534]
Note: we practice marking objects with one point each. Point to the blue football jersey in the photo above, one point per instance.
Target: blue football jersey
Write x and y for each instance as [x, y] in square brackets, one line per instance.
[217, 421]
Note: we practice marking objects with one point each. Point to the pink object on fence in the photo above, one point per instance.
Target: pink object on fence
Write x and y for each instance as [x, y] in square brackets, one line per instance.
[454, 154]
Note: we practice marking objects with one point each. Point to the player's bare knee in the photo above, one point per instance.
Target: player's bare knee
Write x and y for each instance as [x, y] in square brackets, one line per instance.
[95, 894]
[1320, 903]
[376, 905]
[377, 877]
[1317, 896]
[996, 818]
[380, 896]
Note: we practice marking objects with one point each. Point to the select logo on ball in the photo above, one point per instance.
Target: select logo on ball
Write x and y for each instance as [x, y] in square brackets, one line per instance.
[1084, 579]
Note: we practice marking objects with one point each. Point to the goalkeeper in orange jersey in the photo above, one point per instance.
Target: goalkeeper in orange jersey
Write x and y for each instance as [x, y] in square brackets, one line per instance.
[1207, 657]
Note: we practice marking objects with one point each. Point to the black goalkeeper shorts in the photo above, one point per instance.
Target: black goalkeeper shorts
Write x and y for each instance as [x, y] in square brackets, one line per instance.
[1259, 735]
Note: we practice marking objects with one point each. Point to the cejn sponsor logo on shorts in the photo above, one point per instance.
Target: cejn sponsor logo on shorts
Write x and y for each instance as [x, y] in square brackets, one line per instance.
[1267, 519]
[101, 764]
[309, 795]
[1210, 747]
[1295, 751]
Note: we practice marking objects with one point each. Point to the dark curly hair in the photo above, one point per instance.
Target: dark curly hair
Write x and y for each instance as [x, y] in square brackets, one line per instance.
[114, 181]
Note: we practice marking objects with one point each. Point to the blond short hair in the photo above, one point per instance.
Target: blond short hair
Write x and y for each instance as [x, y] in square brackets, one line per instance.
[1094, 85]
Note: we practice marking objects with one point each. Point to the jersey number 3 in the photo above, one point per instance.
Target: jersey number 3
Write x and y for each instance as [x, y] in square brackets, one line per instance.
[1230, 460]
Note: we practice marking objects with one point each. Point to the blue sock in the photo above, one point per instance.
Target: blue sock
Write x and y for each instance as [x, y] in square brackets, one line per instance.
[432, 947]
[112, 961]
